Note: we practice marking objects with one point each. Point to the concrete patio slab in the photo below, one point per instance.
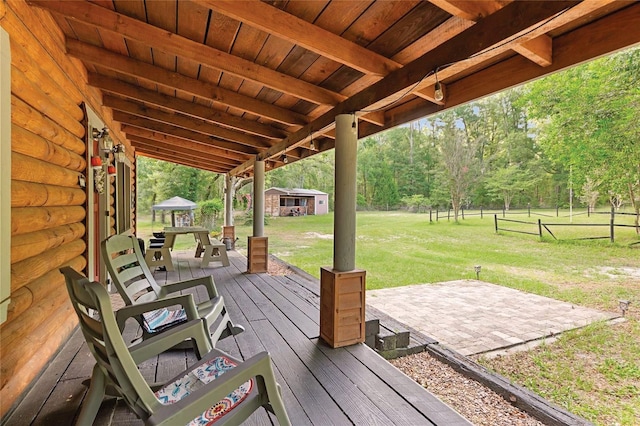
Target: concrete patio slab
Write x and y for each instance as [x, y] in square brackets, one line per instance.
[475, 317]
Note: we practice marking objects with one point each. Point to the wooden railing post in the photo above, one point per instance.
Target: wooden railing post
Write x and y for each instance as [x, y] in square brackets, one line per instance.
[495, 219]
[611, 224]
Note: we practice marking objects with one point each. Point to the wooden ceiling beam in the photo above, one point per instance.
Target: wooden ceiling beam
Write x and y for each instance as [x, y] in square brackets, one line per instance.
[152, 153]
[511, 19]
[470, 10]
[185, 48]
[222, 156]
[119, 87]
[302, 33]
[609, 34]
[538, 50]
[203, 154]
[425, 88]
[176, 81]
[171, 130]
[183, 121]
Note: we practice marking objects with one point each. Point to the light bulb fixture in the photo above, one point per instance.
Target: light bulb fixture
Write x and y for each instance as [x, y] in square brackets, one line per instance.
[285, 160]
[312, 146]
[353, 124]
[438, 93]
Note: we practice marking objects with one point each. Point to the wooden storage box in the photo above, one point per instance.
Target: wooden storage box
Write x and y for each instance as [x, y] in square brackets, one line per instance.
[342, 307]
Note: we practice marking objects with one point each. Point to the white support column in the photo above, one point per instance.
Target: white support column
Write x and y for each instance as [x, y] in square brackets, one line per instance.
[342, 289]
[258, 245]
[258, 198]
[228, 200]
[344, 228]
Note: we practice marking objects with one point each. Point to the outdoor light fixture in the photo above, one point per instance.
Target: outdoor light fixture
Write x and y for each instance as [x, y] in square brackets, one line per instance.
[103, 139]
[438, 93]
[477, 268]
[118, 153]
[285, 160]
[624, 306]
[312, 146]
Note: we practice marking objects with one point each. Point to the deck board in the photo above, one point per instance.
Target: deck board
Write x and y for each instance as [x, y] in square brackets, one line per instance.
[320, 385]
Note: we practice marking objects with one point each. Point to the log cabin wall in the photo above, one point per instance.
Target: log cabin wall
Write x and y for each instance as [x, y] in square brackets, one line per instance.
[48, 211]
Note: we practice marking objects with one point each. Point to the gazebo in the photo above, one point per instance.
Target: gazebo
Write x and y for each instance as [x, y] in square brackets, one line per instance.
[177, 204]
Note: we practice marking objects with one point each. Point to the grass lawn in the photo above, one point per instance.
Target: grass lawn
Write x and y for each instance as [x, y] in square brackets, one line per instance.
[593, 372]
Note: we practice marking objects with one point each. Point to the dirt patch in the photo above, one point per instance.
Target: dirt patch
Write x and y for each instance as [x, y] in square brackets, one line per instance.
[318, 235]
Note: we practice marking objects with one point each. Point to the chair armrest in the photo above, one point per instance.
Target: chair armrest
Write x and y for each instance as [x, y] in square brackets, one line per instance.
[156, 344]
[184, 300]
[207, 282]
[201, 399]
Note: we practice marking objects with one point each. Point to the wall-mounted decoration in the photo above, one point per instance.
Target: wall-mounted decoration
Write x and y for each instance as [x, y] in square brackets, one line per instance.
[99, 179]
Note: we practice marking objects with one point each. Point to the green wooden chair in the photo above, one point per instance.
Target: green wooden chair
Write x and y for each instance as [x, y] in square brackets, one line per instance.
[136, 284]
[217, 388]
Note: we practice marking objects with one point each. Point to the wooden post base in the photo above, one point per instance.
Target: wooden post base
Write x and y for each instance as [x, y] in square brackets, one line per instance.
[229, 232]
[342, 307]
[258, 255]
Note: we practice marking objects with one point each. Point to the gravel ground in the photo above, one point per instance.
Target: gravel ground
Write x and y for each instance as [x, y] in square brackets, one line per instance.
[475, 402]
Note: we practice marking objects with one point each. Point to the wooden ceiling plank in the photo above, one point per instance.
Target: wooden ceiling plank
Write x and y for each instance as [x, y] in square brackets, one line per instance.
[538, 50]
[171, 130]
[160, 76]
[300, 32]
[115, 86]
[223, 154]
[509, 20]
[183, 121]
[183, 47]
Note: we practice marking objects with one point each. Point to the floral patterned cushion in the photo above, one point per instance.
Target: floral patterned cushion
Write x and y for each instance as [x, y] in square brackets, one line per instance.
[162, 319]
[199, 377]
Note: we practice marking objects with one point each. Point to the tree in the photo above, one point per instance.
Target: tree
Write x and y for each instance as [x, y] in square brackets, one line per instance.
[459, 160]
[587, 118]
[505, 183]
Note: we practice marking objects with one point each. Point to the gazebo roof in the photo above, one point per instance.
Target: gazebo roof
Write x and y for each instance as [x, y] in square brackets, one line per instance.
[175, 203]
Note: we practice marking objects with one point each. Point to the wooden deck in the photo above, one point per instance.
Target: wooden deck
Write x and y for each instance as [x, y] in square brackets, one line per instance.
[320, 385]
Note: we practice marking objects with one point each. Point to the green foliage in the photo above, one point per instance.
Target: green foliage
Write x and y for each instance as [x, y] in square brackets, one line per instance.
[208, 211]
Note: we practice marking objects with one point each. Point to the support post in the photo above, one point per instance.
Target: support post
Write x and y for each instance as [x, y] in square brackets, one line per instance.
[228, 229]
[258, 246]
[342, 288]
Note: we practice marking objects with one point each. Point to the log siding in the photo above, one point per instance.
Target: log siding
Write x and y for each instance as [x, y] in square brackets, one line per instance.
[48, 206]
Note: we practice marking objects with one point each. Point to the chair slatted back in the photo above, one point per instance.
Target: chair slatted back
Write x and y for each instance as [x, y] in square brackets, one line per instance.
[128, 269]
[106, 343]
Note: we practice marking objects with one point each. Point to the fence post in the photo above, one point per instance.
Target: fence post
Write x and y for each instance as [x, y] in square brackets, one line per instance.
[540, 228]
[588, 210]
[437, 214]
[430, 212]
[448, 214]
[462, 210]
[495, 219]
[611, 224]
[504, 211]
[480, 212]
[529, 209]
[557, 210]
